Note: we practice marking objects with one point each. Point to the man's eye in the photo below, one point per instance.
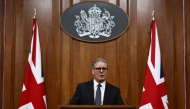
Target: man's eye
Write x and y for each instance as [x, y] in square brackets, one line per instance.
[104, 68]
[98, 68]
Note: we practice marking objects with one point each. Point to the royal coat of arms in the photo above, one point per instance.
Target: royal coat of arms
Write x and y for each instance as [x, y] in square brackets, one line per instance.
[95, 24]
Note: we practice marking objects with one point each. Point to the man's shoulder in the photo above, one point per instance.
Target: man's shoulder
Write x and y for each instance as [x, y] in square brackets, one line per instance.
[111, 86]
[86, 83]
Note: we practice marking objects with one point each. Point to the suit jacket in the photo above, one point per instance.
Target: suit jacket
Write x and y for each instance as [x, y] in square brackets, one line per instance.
[84, 94]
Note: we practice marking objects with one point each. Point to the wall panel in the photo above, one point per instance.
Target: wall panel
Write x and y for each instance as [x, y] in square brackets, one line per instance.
[134, 88]
[20, 66]
[179, 55]
[8, 63]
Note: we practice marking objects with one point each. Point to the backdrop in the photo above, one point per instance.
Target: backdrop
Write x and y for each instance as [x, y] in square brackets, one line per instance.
[67, 61]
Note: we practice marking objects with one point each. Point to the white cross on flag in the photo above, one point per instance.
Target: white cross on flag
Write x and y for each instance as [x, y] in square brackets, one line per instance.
[154, 94]
[33, 92]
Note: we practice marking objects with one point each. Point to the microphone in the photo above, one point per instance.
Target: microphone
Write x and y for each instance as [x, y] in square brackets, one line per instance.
[68, 102]
[126, 101]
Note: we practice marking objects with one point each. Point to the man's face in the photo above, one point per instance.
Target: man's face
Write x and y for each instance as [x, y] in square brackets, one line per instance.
[100, 72]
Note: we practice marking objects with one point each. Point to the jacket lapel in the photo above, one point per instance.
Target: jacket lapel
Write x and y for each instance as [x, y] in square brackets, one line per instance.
[91, 90]
[107, 93]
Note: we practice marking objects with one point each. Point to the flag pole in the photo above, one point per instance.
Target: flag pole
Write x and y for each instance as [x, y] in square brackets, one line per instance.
[153, 15]
[34, 16]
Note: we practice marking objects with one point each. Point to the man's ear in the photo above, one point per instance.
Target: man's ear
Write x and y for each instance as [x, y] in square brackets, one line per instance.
[92, 71]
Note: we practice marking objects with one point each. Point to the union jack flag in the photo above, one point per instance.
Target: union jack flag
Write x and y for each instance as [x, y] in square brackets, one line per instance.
[154, 94]
[33, 92]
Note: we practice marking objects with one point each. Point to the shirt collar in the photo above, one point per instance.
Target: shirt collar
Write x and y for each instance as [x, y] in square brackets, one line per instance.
[96, 83]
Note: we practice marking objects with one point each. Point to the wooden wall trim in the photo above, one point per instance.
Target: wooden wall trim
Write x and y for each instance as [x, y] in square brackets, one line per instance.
[2, 50]
[187, 32]
[185, 57]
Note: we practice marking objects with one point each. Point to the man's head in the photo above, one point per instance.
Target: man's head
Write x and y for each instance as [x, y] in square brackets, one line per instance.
[100, 69]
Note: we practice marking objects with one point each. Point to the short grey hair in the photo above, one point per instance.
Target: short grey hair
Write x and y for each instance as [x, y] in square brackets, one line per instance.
[99, 60]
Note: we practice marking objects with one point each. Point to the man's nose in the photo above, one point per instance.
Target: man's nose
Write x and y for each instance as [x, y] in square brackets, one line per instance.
[101, 70]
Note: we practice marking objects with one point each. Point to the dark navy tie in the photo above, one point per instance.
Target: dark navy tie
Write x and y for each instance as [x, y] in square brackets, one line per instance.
[98, 95]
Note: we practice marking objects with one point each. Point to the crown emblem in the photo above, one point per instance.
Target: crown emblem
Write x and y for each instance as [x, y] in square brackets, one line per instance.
[95, 24]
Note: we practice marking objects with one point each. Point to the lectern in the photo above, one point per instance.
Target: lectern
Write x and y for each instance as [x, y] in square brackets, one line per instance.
[96, 107]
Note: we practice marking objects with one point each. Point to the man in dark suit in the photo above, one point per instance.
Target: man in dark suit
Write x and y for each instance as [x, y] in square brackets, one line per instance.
[88, 93]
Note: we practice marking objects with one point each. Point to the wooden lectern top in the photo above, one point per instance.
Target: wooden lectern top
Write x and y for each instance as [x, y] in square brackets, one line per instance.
[96, 107]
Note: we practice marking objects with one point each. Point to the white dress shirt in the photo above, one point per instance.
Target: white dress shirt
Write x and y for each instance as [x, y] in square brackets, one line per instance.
[102, 89]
